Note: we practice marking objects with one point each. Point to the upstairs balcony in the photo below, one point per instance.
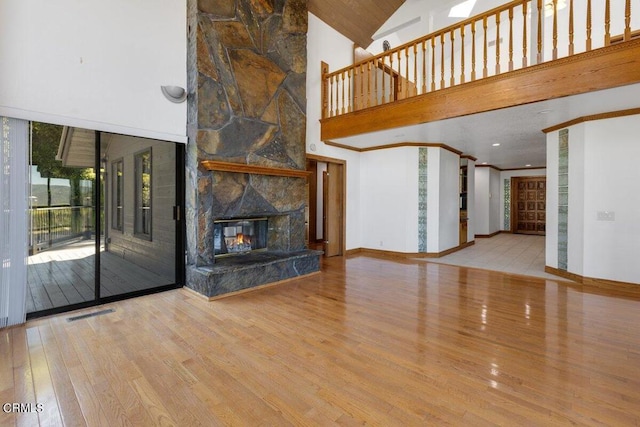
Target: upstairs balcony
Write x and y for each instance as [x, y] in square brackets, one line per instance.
[522, 52]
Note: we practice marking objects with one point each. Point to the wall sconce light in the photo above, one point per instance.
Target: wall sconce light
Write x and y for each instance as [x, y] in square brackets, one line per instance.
[175, 94]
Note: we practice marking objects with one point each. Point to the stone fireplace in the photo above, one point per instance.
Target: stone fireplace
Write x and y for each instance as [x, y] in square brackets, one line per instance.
[246, 152]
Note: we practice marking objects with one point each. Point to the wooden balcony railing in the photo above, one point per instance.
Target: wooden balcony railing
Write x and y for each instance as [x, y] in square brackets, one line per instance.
[513, 36]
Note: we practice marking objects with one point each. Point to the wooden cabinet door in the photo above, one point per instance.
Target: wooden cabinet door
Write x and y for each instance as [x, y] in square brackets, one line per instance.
[528, 210]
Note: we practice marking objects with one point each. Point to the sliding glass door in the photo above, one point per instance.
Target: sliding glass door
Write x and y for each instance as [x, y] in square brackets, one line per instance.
[102, 223]
[138, 250]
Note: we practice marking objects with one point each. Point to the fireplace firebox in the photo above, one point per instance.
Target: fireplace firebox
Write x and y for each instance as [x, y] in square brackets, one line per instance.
[239, 236]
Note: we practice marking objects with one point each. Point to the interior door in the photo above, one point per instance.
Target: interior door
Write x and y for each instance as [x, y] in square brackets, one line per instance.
[333, 205]
[529, 205]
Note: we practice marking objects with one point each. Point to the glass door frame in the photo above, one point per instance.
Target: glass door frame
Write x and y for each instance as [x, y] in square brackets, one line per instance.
[180, 233]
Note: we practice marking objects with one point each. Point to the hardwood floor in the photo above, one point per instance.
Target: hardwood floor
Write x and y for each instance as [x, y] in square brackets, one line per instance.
[65, 275]
[368, 340]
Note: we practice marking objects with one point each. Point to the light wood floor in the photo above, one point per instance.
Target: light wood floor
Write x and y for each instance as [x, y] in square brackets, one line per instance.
[65, 275]
[368, 340]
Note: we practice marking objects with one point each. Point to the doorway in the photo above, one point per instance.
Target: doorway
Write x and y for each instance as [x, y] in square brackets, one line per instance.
[528, 205]
[326, 204]
[104, 221]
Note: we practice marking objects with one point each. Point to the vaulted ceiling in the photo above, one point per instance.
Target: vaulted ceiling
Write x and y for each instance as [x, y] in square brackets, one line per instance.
[357, 20]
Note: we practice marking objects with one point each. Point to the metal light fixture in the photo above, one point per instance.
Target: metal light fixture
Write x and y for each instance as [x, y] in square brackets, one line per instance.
[175, 94]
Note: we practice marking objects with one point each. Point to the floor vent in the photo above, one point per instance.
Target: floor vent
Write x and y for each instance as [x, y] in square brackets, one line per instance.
[84, 316]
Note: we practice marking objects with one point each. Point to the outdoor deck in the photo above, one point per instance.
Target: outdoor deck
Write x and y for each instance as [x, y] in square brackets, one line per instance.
[65, 275]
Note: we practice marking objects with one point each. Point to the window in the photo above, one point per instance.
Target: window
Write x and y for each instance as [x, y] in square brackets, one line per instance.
[117, 213]
[142, 227]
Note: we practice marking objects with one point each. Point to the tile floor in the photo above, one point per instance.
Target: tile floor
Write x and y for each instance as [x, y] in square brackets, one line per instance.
[510, 253]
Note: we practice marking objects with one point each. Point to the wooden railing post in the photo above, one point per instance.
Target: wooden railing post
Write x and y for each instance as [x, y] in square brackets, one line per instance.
[540, 17]
[627, 21]
[524, 34]
[484, 25]
[570, 27]
[607, 23]
[511, 39]
[324, 70]
[473, 50]
[462, 79]
[497, 43]
[588, 43]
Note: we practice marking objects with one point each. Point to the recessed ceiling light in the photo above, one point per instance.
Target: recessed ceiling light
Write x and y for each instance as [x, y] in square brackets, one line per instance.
[544, 111]
[484, 163]
[528, 166]
[497, 144]
[462, 10]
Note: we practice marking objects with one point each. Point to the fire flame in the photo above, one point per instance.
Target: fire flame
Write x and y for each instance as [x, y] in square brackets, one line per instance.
[241, 239]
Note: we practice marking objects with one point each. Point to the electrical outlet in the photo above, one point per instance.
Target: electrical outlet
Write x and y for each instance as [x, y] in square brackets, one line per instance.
[381, 245]
[606, 216]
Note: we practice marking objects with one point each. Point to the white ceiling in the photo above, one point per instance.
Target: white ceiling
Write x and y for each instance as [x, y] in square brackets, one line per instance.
[517, 129]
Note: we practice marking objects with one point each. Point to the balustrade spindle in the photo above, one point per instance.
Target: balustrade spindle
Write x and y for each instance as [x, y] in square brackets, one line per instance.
[498, 43]
[415, 68]
[350, 75]
[473, 50]
[462, 79]
[406, 72]
[570, 27]
[607, 23]
[441, 60]
[524, 34]
[453, 73]
[399, 82]
[331, 99]
[362, 103]
[555, 29]
[433, 64]
[588, 42]
[511, 39]
[341, 101]
[540, 16]
[424, 67]
[393, 95]
[375, 83]
[485, 69]
[368, 84]
[356, 97]
[384, 87]
[627, 21]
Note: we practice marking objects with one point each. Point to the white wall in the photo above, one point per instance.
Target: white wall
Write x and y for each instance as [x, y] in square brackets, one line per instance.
[603, 171]
[326, 44]
[611, 175]
[494, 201]
[551, 238]
[95, 64]
[512, 174]
[449, 200]
[482, 191]
[389, 194]
[487, 201]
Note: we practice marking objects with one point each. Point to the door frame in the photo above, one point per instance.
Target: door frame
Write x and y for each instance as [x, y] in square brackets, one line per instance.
[343, 200]
[180, 230]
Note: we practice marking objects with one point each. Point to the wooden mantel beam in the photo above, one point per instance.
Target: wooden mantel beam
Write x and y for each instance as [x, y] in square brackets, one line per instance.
[604, 68]
[213, 165]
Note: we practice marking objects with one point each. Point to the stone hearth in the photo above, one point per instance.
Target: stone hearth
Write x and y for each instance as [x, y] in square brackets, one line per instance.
[246, 271]
[247, 105]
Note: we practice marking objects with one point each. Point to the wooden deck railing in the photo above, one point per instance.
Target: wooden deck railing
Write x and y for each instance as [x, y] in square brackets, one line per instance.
[513, 36]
